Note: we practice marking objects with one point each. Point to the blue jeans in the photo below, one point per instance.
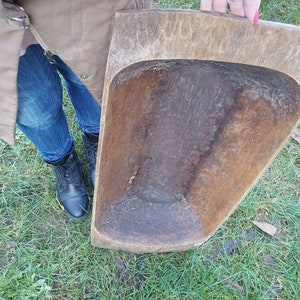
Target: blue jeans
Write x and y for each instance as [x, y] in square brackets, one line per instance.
[40, 114]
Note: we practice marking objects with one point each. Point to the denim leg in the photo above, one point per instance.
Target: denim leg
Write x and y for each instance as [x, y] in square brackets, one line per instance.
[87, 109]
[40, 114]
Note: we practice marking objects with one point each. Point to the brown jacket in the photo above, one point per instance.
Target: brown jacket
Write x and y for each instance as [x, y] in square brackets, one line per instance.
[78, 31]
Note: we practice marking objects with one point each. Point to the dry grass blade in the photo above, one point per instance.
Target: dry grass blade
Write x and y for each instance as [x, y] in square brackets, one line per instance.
[266, 227]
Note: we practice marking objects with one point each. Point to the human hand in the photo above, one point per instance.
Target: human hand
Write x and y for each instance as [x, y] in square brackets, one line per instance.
[242, 8]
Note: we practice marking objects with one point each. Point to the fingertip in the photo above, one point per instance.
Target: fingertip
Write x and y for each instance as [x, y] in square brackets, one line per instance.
[251, 8]
[220, 6]
[205, 8]
[255, 18]
[206, 5]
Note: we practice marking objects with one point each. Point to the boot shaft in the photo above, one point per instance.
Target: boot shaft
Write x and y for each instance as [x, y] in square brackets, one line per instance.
[90, 145]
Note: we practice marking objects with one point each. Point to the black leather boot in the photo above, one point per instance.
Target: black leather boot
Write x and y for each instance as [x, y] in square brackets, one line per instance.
[71, 191]
[90, 145]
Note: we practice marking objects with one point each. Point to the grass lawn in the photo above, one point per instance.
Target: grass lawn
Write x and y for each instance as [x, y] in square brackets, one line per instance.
[43, 255]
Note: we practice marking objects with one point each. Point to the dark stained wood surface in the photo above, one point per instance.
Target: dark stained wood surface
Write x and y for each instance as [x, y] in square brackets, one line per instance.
[184, 138]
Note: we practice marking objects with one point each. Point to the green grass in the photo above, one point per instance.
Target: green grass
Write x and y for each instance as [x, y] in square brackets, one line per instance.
[43, 255]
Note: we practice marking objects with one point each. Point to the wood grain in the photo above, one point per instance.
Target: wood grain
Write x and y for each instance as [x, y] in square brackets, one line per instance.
[188, 124]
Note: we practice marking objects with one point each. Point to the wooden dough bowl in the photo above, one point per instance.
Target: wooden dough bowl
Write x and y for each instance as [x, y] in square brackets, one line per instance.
[195, 108]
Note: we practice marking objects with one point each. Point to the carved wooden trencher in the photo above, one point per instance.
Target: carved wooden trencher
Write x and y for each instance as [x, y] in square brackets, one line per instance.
[195, 107]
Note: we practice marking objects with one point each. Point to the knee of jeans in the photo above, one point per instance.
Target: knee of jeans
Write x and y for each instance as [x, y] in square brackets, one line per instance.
[39, 116]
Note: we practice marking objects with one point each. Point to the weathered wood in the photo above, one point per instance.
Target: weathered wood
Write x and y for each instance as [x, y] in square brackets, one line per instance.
[195, 108]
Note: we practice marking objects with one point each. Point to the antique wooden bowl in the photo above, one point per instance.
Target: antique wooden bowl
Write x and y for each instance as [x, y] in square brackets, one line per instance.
[195, 108]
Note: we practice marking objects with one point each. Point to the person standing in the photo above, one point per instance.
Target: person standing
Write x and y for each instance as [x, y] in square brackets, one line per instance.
[42, 41]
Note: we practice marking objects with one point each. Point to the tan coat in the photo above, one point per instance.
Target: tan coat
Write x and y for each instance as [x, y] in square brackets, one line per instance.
[78, 31]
